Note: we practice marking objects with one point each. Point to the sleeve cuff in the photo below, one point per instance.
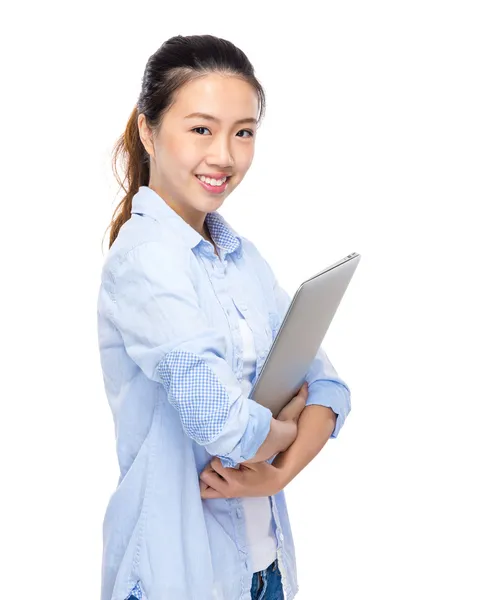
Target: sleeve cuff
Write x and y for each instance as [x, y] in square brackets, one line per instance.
[334, 396]
[257, 430]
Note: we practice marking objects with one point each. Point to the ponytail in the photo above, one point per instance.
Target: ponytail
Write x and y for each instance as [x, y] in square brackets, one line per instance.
[131, 151]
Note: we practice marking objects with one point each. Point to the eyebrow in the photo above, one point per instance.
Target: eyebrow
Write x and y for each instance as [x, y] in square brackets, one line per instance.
[201, 115]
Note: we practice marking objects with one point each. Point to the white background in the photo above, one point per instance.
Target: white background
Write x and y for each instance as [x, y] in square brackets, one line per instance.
[374, 142]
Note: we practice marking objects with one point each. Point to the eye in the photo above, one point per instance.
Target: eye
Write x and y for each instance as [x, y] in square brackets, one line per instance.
[200, 128]
[251, 133]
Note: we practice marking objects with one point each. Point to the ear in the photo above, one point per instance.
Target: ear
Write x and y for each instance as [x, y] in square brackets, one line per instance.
[145, 134]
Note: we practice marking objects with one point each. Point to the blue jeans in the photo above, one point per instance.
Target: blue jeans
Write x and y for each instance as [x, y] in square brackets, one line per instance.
[266, 585]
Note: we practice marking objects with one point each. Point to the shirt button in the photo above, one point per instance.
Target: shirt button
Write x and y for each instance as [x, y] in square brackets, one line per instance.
[281, 536]
[239, 513]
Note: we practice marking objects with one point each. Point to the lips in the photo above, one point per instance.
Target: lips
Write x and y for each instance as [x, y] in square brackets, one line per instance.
[213, 188]
[226, 178]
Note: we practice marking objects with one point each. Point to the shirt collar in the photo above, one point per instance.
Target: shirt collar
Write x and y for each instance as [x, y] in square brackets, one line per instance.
[148, 202]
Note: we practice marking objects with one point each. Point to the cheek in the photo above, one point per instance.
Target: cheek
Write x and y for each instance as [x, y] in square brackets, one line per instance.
[244, 159]
[188, 159]
[178, 154]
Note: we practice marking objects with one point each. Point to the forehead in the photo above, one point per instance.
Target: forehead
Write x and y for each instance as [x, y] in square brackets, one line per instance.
[224, 96]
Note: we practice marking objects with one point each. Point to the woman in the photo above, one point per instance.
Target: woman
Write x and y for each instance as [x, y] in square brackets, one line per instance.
[187, 312]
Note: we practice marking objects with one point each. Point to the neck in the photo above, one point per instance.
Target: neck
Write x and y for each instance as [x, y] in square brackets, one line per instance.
[194, 218]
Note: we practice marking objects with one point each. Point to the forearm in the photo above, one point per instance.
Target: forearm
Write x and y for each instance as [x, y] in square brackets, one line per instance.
[315, 426]
[281, 435]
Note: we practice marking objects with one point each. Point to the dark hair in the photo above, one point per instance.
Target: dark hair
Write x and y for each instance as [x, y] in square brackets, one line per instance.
[179, 60]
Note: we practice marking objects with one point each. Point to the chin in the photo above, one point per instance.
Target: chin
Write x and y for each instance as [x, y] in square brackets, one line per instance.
[214, 204]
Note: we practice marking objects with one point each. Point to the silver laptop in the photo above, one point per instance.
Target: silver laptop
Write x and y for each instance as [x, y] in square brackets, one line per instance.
[301, 333]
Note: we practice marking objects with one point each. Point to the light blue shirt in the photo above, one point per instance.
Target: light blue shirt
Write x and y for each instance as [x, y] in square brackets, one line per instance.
[171, 357]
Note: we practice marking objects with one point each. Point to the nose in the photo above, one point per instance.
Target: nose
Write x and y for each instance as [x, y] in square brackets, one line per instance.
[220, 154]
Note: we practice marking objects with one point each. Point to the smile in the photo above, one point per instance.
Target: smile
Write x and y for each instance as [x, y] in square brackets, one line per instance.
[214, 186]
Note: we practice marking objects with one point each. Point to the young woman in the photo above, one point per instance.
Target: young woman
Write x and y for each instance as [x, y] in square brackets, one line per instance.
[187, 312]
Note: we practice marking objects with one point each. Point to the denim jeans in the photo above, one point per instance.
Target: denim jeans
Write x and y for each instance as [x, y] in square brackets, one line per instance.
[266, 585]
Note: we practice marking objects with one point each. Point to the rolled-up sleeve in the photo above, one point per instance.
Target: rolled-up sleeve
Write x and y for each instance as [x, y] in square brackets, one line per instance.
[164, 330]
[325, 387]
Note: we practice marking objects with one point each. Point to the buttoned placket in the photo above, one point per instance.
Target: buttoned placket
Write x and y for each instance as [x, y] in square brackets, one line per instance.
[280, 544]
[218, 277]
[237, 363]
[262, 347]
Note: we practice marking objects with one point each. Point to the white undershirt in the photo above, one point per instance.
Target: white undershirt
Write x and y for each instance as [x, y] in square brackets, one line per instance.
[261, 541]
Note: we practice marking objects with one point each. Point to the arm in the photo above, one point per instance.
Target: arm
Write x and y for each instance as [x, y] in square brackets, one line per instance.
[152, 302]
[263, 479]
[315, 427]
[281, 435]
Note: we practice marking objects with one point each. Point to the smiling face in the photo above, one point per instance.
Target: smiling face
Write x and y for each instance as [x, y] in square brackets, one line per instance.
[187, 145]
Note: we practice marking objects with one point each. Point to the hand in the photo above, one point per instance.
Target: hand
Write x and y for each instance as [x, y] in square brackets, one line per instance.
[257, 479]
[293, 409]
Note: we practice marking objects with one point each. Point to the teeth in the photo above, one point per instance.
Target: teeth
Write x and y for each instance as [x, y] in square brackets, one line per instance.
[216, 182]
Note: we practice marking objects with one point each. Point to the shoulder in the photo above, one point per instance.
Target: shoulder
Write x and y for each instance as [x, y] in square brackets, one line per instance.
[148, 251]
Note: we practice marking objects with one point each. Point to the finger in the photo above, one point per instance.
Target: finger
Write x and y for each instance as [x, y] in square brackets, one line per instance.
[209, 469]
[230, 479]
[225, 473]
[210, 493]
[299, 400]
[249, 467]
[214, 481]
[295, 405]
